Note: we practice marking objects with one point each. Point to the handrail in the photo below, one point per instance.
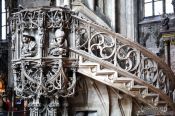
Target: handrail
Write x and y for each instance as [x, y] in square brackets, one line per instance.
[123, 53]
[126, 40]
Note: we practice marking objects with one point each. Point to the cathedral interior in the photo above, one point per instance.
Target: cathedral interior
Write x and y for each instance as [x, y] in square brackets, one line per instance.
[87, 58]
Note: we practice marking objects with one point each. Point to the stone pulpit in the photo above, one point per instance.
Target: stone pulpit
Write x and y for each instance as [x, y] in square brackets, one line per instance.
[42, 69]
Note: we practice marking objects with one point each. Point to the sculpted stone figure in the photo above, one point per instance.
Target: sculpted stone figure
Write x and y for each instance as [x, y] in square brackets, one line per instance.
[58, 43]
[29, 46]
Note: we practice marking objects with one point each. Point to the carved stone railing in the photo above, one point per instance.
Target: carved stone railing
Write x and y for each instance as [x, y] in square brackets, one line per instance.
[123, 54]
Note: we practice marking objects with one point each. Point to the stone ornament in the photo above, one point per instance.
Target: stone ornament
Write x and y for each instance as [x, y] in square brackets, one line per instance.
[45, 61]
[58, 44]
[29, 45]
[40, 66]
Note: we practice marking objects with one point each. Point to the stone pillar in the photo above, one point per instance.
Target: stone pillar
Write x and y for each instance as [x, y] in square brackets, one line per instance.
[58, 2]
[91, 4]
[173, 3]
[113, 14]
[65, 106]
[128, 18]
[67, 3]
[110, 12]
[166, 52]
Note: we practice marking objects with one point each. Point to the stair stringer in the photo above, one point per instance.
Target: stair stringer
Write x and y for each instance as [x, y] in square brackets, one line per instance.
[129, 84]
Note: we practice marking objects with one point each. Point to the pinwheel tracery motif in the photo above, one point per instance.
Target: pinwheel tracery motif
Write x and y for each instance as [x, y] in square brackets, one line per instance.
[102, 45]
[148, 70]
[128, 58]
[163, 82]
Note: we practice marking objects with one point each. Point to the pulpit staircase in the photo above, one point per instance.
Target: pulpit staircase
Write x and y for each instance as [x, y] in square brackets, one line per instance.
[102, 55]
[114, 60]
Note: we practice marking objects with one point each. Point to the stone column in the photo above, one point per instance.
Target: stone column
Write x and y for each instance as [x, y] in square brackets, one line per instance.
[91, 4]
[166, 52]
[58, 2]
[113, 14]
[173, 3]
[65, 106]
[67, 3]
[110, 11]
[128, 18]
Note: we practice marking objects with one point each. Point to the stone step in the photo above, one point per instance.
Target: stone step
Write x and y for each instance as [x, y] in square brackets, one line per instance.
[123, 80]
[137, 88]
[150, 95]
[89, 64]
[160, 103]
[105, 72]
